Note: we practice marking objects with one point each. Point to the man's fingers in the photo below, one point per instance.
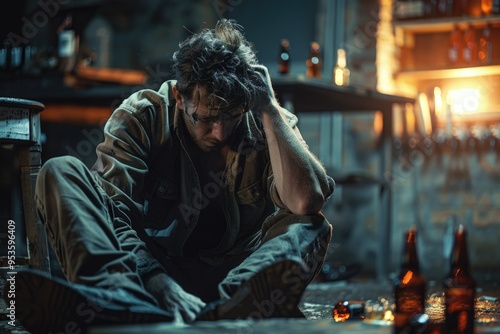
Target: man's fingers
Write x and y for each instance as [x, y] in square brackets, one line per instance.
[178, 317]
[260, 68]
[263, 71]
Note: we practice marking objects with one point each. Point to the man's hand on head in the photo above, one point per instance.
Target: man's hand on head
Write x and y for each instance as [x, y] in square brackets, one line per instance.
[266, 100]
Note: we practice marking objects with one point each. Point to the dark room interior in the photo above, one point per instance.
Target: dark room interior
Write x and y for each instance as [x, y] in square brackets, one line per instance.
[398, 99]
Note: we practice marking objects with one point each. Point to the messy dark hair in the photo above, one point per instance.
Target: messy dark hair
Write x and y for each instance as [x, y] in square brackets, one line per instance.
[220, 60]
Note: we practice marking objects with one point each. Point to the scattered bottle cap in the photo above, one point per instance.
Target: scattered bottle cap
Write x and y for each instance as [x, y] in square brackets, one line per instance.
[349, 310]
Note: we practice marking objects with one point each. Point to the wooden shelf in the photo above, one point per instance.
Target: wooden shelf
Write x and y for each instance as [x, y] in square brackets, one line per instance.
[451, 73]
[55, 89]
[432, 25]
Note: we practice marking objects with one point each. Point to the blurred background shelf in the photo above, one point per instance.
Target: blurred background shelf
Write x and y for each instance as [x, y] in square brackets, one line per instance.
[449, 73]
[430, 25]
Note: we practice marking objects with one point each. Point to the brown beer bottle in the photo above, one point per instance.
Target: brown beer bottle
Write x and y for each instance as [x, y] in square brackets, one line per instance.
[455, 49]
[486, 7]
[409, 287]
[475, 8]
[469, 56]
[314, 62]
[459, 289]
[284, 57]
[485, 47]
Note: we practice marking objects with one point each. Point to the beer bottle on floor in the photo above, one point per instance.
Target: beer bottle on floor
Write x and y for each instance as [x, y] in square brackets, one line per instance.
[459, 289]
[409, 286]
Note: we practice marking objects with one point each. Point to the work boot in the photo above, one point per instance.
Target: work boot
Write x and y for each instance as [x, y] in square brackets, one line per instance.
[47, 304]
[273, 292]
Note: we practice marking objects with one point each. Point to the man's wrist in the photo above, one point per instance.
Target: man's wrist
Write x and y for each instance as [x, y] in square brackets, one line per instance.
[149, 275]
[148, 266]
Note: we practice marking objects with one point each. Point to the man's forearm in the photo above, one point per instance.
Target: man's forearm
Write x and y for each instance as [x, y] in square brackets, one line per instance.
[300, 178]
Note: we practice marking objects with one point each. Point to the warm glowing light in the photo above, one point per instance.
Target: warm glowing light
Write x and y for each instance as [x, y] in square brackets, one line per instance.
[438, 102]
[464, 101]
[378, 123]
[397, 121]
[341, 72]
[407, 277]
[388, 316]
[410, 119]
[385, 48]
[341, 58]
[341, 76]
[425, 113]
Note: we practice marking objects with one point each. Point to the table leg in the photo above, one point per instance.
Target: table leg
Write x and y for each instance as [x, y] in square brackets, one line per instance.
[38, 252]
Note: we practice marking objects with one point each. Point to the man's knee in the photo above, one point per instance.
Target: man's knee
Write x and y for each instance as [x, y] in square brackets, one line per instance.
[57, 171]
[314, 226]
[322, 223]
[323, 229]
[316, 222]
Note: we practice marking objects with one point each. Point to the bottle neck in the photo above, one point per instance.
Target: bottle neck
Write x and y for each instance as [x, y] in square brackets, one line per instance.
[459, 255]
[410, 256]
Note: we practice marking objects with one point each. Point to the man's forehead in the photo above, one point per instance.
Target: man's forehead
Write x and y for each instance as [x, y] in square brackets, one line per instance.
[209, 102]
[199, 95]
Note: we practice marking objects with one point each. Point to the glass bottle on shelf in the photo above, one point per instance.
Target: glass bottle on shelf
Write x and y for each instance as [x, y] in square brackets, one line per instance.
[5, 57]
[469, 56]
[67, 45]
[486, 7]
[460, 8]
[17, 58]
[455, 49]
[284, 57]
[409, 287]
[485, 47]
[314, 62]
[474, 8]
[340, 72]
[443, 9]
[495, 8]
[459, 288]
[430, 8]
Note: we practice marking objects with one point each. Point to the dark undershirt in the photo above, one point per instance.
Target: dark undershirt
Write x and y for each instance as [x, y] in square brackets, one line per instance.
[211, 224]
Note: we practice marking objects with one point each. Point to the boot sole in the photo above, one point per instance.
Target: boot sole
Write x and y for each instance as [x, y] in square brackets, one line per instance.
[274, 292]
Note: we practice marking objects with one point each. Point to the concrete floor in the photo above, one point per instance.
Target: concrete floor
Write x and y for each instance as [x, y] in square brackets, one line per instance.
[317, 304]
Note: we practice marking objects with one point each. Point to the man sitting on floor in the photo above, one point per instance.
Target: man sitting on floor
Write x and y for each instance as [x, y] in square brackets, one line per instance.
[204, 203]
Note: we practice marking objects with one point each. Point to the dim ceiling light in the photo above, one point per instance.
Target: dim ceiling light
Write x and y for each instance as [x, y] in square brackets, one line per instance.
[464, 101]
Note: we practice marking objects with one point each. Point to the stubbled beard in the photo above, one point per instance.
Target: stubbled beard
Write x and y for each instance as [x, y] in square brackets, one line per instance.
[208, 148]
